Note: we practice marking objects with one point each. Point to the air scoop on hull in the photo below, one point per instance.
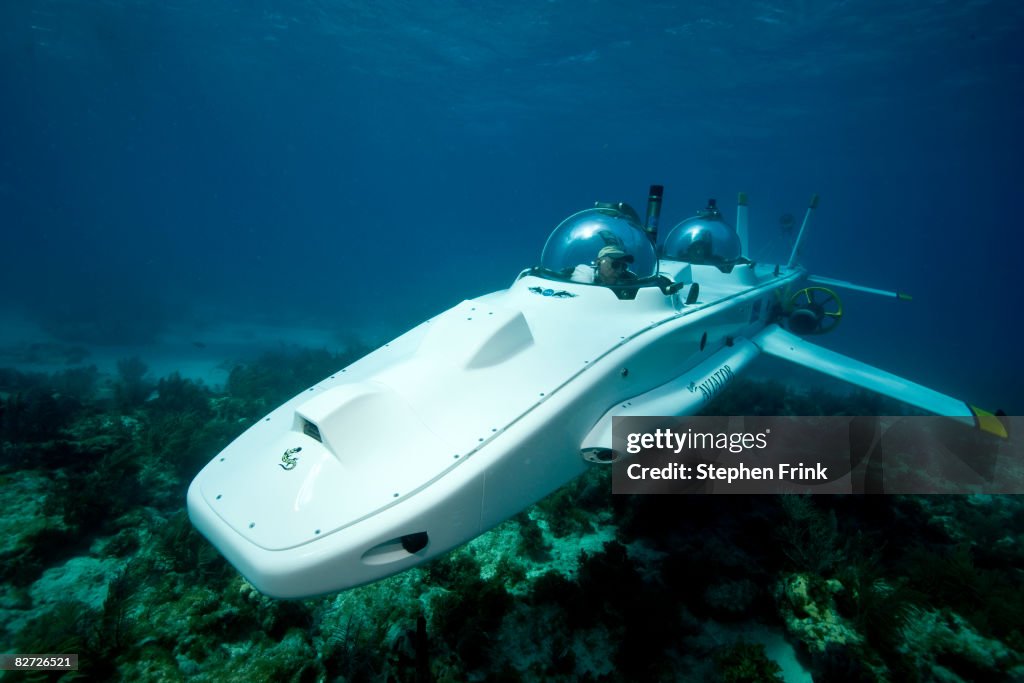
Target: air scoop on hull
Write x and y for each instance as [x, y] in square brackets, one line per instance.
[372, 450]
[472, 336]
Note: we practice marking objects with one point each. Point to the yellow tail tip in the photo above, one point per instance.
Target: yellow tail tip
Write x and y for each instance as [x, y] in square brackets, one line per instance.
[988, 422]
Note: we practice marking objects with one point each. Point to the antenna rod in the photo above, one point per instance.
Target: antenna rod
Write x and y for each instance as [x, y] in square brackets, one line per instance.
[803, 226]
[741, 224]
[653, 211]
[902, 296]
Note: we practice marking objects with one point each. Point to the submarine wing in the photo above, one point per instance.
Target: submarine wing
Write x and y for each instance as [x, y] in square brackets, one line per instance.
[775, 341]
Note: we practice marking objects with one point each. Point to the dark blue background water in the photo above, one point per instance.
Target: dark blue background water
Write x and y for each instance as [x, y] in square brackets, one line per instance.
[367, 163]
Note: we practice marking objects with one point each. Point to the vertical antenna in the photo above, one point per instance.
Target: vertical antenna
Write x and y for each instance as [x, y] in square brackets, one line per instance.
[803, 226]
[653, 212]
[741, 224]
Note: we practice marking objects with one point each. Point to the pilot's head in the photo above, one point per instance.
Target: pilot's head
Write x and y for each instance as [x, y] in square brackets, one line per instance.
[612, 263]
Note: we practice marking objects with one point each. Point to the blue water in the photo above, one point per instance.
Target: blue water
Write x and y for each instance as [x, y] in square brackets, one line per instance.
[358, 163]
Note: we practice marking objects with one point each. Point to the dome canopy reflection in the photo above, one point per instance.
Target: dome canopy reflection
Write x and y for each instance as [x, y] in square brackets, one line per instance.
[578, 239]
[703, 239]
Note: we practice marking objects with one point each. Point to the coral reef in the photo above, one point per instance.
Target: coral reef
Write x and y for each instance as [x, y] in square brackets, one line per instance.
[746, 663]
[98, 557]
[131, 387]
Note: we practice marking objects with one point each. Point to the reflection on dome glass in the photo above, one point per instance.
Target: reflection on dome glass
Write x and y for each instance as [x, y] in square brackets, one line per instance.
[702, 239]
[579, 238]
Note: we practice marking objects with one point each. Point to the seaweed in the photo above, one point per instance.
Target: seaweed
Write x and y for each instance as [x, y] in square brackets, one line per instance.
[131, 387]
[745, 662]
[566, 510]
[657, 519]
[610, 591]
[452, 571]
[940, 639]
[841, 663]
[990, 599]
[180, 395]
[809, 536]
[346, 654]
[508, 572]
[77, 383]
[36, 414]
[86, 499]
[180, 548]
[532, 543]
[552, 588]
[182, 431]
[43, 407]
[73, 626]
[37, 551]
[276, 376]
[878, 605]
[12, 380]
[468, 614]
[68, 626]
[117, 628]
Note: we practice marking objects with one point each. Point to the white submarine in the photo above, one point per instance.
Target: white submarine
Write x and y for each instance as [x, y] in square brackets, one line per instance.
[473, 415]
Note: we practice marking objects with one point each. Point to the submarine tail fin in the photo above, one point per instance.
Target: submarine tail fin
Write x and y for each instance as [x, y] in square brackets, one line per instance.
[775, 341]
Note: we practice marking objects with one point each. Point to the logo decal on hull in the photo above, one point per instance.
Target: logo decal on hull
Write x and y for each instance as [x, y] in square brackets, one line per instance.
[560, 294]
[288, 461]
[714, 382]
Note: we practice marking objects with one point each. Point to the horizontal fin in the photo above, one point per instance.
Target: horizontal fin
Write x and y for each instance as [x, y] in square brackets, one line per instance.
[775, 341]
